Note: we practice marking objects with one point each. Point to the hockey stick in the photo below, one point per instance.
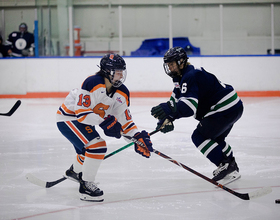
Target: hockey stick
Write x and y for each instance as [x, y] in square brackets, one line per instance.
[126, 146]
[13, 109]
[244, 196]
[31, 178]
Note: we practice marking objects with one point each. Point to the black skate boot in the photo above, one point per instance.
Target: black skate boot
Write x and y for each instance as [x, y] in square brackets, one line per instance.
[227, 167]
[71, 175]
[89, 191]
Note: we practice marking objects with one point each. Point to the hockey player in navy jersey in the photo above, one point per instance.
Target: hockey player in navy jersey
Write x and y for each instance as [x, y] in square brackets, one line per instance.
[21, 42]
[102, 100]
[215, 105]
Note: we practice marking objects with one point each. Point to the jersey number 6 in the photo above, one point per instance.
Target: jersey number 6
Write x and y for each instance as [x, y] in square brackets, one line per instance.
[184, 88]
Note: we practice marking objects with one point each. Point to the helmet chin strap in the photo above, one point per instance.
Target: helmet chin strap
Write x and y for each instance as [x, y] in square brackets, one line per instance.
[180, 62]
[106, 75]
[111, 78]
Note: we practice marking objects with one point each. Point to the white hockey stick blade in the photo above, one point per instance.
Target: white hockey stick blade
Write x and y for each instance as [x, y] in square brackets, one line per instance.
[261, 192]
[35, 180]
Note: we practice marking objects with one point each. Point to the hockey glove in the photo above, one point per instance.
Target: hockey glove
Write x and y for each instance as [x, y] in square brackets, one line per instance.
[158, 112]
[146, 147]
[165, 125]
[164, 110]
[25, 52]
[111, 127]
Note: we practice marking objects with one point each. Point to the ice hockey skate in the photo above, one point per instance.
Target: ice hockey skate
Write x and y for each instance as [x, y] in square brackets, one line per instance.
[227, 171]
[71, 175]
[90, 192]
[230, 178]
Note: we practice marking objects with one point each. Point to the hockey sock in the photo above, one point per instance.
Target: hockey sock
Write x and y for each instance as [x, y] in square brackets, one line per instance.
[209, 148]
[78, 163]
[227, 151]
[95, 152]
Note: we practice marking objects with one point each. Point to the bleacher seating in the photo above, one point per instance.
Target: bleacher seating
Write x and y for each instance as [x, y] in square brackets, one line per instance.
[158, 47]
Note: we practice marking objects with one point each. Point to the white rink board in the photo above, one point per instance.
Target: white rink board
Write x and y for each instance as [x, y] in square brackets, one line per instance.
[245, 73]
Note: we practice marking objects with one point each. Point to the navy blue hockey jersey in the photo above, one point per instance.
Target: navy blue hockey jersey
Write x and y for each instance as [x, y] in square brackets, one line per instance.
[18, 42]
[201, 94]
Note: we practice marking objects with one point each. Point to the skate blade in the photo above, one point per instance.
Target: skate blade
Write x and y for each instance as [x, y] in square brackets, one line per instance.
[230, 178]
[86, 197]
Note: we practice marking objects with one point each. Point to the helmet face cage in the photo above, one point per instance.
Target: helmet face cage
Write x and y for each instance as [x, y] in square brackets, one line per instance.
[168, 71]
[120, 74]
[177, 54]
[113, 66]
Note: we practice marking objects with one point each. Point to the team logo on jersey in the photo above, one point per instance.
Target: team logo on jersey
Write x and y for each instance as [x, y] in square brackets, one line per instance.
[119, 100]
[20, 44]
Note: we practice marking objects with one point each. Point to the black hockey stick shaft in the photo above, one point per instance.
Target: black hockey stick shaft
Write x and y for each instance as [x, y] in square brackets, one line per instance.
[53, 183]
[244, 196]
[13, 109]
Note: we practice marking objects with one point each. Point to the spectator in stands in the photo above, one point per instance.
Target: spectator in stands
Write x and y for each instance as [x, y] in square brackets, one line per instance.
[4, 50]
[21, 42]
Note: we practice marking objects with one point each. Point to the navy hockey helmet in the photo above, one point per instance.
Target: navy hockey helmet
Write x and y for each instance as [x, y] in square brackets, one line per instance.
[111, 64]
[177, 54]
[23, 27]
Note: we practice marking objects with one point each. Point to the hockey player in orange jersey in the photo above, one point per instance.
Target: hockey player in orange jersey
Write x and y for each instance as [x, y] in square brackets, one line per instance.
[102, 100]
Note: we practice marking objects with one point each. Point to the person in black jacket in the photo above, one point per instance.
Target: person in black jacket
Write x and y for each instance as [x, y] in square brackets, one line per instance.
[21, 42]
[4, 50]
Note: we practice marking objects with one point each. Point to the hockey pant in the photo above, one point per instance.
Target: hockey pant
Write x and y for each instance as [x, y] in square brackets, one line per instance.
[90, 148]
[209, 136]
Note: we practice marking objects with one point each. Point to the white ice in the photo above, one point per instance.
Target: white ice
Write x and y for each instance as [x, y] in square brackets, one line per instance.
[136, 187]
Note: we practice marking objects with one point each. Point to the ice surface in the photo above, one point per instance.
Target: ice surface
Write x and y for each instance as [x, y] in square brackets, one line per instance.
[136, 187]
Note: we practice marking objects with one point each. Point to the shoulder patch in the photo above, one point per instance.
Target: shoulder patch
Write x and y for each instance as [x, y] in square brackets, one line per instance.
[176, 85]
[122, 90]
[119, 99]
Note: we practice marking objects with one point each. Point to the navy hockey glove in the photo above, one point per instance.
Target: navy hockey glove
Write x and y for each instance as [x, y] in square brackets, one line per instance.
[165, 125]
[158, 112]
[111, 127]
[144, 138]
[164, 110]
